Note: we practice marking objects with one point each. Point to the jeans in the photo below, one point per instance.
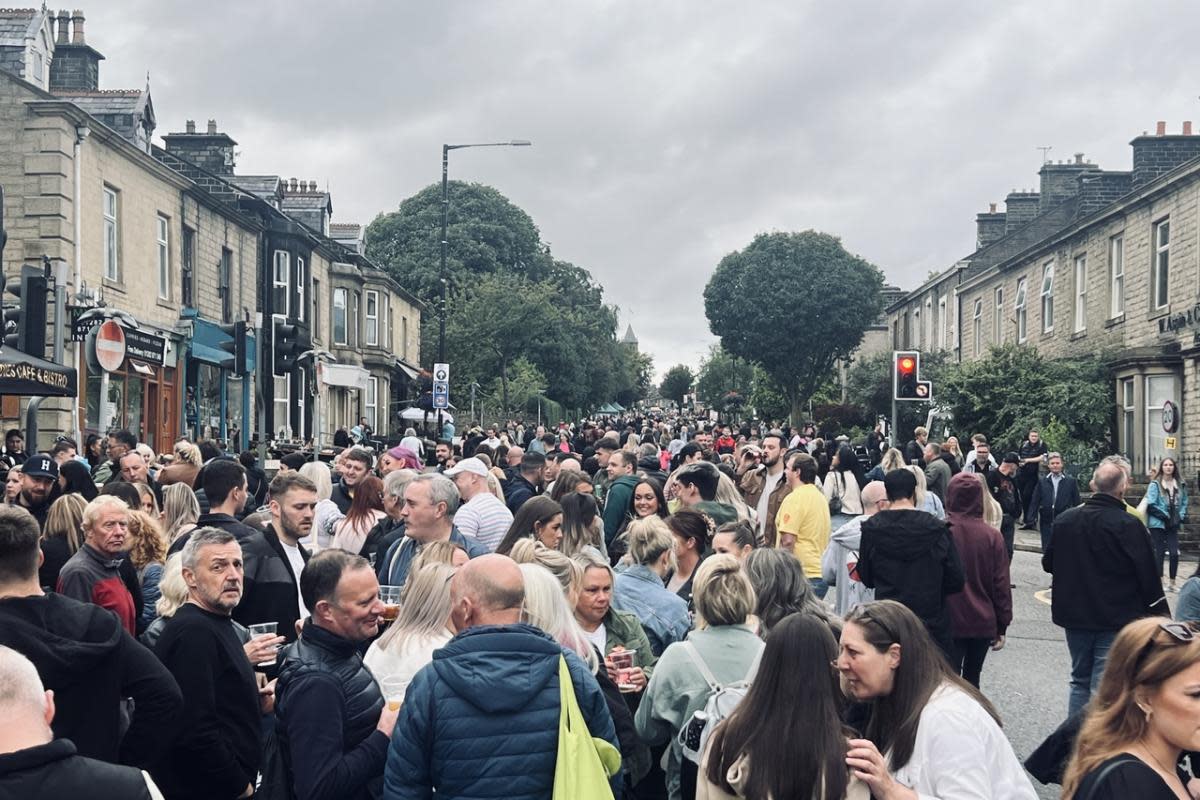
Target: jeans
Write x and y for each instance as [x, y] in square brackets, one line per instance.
[967, 658]
[1166, 541]
[819, 586]
[1089, 650]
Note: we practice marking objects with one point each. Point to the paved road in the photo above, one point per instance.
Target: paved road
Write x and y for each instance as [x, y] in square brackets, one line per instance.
[1027, 680]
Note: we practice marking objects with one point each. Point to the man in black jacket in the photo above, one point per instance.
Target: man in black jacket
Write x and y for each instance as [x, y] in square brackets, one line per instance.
[332, 721]
[356, 465]
[36, 766]
[217, 754]
[914, 451]
[84, 656]
[226, 489]
[908, 555]
[275, 558]
[526, 482]
[1104, 574]
[1052, 495]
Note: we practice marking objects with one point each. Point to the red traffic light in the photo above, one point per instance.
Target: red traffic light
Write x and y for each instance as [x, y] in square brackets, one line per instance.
[907, 364]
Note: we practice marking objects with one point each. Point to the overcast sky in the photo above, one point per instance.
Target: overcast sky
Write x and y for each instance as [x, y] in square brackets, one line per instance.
[667, 134]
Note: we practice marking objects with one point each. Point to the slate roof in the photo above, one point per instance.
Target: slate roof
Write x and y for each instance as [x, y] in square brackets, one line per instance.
[260, 185]
[104, 102]
[629, 338]
[344, 230]
[305, 202]
[18, 23]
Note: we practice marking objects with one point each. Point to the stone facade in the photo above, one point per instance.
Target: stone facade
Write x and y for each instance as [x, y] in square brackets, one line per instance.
[1123, 259]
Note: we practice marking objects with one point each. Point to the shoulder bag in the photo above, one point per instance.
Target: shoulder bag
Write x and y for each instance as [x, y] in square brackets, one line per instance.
[835, 502]
[584, 763]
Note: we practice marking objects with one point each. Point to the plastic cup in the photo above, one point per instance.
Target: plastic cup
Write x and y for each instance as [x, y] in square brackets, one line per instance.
[265, 629]
[390, 595]
[623, 660]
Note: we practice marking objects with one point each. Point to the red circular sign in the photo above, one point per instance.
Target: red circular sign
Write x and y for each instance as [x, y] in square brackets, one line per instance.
[110, 346]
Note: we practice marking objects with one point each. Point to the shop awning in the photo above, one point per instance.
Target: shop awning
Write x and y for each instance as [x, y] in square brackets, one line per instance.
[348, 375]
[23, 374]
[411, 372]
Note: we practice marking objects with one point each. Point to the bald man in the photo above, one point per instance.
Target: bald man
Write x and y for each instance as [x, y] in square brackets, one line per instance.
[1105, 576]
[492, 695]
[839, 564]
[36, 766]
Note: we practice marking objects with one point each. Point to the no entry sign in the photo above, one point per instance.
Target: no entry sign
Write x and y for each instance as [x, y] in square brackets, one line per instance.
[110, 346]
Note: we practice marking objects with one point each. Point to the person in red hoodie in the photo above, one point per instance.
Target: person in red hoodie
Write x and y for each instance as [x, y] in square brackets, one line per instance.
[981, 612]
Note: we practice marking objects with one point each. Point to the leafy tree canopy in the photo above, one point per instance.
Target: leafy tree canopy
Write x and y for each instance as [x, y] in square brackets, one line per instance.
[721, 373]
[793, 303]
[677, 382]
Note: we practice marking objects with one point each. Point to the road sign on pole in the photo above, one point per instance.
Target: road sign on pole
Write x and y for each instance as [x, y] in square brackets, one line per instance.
[441, 385]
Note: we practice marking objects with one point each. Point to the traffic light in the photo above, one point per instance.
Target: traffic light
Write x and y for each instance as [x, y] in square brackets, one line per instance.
[286, 345]
[25, 326]
[904, 379]
[236, 346]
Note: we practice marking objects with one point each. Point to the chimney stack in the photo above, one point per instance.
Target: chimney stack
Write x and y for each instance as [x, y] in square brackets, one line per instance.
[989, 227]
[1020, 208]
[1159, 154]
[1060, 181]
[191, 126]
[64, 27]
[212, 150]
[77, 28]
[212, 127]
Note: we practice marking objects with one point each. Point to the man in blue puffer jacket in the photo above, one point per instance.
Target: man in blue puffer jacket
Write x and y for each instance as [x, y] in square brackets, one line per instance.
[481, 721]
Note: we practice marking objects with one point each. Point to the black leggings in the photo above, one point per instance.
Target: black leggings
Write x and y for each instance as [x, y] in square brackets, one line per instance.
[968, 657]
[1166, 541]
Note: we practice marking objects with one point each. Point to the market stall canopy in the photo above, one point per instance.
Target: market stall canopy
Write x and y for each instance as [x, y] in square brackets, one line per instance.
[23, 374]
[415, 414]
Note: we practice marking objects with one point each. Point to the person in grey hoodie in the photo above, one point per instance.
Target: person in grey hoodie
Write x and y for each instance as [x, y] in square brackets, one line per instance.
[839, 564]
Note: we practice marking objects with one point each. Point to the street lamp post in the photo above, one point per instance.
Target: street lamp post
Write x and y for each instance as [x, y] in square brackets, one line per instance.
[446, 148]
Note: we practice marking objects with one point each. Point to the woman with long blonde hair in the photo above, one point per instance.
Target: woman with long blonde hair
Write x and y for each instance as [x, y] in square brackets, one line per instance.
[422, 626]
[180, 511]
[1142, 718]
[61, 536]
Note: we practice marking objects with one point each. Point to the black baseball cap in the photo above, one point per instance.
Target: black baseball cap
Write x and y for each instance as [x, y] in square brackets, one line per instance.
[40, 466]
[1011, 458]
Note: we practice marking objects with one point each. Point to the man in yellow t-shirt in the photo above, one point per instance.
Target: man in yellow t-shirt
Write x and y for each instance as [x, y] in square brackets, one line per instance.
[802, 523]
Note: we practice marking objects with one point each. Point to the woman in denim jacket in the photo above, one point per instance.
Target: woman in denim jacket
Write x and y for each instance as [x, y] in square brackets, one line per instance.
[639, 588]
[1166, 509]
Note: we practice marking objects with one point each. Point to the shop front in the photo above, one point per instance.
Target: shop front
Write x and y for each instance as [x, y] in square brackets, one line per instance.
[217, 402]
[132, 388]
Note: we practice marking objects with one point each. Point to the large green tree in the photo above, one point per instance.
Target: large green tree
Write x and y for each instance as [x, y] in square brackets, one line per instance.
[508, 297]
[720, 374]
[793, 303]
[677, 382]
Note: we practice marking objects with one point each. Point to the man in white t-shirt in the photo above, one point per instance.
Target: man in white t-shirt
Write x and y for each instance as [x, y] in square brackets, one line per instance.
[482, 516]
[765, 487]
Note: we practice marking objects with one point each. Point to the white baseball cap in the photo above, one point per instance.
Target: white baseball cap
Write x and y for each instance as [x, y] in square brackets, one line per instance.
[471, 465]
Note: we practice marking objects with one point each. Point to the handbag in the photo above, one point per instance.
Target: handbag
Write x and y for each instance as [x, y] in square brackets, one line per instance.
[584, 762]
[835, 502]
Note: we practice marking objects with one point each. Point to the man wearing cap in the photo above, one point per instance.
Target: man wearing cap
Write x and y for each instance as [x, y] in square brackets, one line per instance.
[293, 461]
[1002, 484]
[482, 515]
[38, 474]
[93, 574]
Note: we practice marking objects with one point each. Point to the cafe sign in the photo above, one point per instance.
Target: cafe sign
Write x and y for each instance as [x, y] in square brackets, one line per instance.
[1174, 323]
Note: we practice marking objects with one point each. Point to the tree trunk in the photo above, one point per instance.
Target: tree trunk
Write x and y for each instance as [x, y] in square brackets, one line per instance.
[504, 382]
[798, 411]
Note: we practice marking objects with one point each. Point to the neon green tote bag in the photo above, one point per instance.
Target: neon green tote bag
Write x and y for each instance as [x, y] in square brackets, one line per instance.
[584, 763]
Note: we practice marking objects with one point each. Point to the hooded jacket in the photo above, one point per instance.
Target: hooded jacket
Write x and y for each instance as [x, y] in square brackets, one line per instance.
[983, 609]
[91, 663]
[53, 770]
[616, 505]
[481, 720]
[652, 468]
[908, 556]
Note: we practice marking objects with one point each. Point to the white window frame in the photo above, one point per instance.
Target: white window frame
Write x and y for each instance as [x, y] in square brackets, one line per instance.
[1019, 311]
[286, 400]
[371, 298]
[301, 385]
[1129, 419]
[941, 323]
[371, 401]
[112, 231]
[333, 320]
[1048, 297]
[998, 320]
[163, 244]
[301, 283]
[354, 320]
[977, 327]
[1160, 278]
[1081, 280]
[1116, 271]
[281, 278]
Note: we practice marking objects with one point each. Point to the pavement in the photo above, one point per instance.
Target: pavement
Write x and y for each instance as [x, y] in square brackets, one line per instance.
[1027, 681]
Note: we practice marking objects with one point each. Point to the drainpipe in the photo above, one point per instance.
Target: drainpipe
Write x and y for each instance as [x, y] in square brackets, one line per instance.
[81, 133]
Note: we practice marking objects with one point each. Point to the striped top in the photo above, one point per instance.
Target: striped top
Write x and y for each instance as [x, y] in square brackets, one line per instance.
[485, 518]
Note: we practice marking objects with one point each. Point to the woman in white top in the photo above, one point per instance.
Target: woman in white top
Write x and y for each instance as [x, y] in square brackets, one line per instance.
[327, 513]
[422, 626]
[929, 733]
[844, 481]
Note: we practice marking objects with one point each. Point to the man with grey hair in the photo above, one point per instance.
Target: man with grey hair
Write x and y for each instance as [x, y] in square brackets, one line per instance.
[482, 515]
[84, 656]
[1105, 576]
[93, 574]
[34, 765]
[218, 749]
[430, 502]
[390, 528]
[458, 735]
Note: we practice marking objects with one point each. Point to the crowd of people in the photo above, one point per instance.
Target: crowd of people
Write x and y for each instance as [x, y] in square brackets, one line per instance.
[636, 607]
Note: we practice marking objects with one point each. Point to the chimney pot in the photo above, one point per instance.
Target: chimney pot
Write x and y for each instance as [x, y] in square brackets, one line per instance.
[1079, 158]
[77, 27]
[1187, 128]
[64, 27]
[294, 185]
[191, 126]
[991, 208]
[1160, 128]
[212, 126]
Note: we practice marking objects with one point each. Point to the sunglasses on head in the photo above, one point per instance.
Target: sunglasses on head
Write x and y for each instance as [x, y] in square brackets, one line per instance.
[1184, 632]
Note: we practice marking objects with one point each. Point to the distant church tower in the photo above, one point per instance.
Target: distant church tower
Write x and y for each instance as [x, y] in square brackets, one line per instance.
[629, 339]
